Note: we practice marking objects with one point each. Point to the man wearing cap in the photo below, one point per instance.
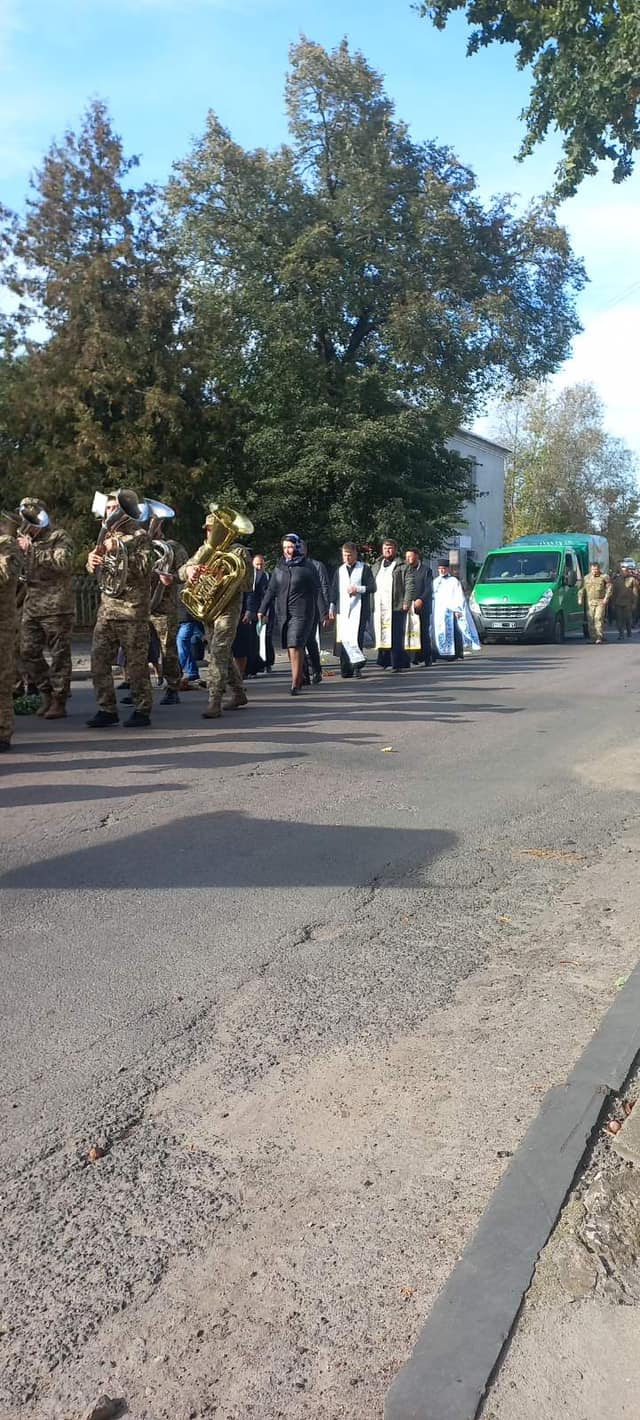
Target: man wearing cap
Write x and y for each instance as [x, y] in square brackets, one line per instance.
[11, 566]
[48, 608]
[448, 610]
[596, 593]
[165, 618]
[221, 632]
[123, 620]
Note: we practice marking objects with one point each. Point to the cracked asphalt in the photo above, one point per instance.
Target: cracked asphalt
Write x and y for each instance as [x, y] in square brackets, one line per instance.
[301, 975]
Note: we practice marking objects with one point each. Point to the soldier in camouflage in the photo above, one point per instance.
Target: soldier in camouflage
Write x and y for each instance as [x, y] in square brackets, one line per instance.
[221, 635]
[123, 620]
[48, 608]
[165, 619]
[596, 593]
[11, 566]
[624, 600]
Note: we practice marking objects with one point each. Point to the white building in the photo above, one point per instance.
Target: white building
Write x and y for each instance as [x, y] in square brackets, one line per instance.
[483, 521]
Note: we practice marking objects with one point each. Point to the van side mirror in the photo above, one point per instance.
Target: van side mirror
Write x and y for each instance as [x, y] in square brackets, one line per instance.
[570, 578]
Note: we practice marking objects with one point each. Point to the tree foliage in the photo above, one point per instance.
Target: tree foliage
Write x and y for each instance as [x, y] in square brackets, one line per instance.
[566, 473]
[585, 61]
[99, 383]
[360, 301]
[300, 331]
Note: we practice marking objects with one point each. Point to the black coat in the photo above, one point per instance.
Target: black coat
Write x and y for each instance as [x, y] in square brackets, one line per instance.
[423, 585]
[294, 589]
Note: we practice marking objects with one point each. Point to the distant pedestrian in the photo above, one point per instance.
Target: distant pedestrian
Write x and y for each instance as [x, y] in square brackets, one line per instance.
[448, 610]
[595, 595]
[624, 598]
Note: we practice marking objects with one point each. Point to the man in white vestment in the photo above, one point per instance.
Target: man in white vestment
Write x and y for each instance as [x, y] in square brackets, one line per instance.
[395, 592]
[448, 611]
[352, 587]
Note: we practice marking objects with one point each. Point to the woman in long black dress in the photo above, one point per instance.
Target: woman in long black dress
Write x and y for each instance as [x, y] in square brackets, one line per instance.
[294, 587]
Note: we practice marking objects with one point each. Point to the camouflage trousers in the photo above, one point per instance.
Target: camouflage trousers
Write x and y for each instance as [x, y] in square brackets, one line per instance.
[624, 618]
[596, 617]
[52, 633]
[109, 634]
[7, 679]
[222, 667]
[166, 628]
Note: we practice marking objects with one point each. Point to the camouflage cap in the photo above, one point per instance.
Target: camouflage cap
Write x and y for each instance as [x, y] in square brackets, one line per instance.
[33, 506]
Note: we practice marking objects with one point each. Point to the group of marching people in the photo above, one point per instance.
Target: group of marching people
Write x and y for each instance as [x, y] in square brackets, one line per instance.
[393, 604]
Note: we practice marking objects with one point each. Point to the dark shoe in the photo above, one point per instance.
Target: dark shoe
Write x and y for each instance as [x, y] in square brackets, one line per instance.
[138, 721]
[102, 719]
[358, 672]
[45, 701]
[170, 697]
[213, 711]
[316, 677]
[124, 685]
[127, 700]
[4, 746]
[295, 690]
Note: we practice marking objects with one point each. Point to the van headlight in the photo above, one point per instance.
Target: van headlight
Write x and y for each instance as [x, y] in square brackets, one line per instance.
[544, 602]
[474, 604]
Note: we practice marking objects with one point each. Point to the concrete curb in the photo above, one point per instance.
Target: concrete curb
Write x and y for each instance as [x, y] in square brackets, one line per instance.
[453, 1359]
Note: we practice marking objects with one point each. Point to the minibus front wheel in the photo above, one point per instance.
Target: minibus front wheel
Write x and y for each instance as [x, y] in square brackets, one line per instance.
[557, 631]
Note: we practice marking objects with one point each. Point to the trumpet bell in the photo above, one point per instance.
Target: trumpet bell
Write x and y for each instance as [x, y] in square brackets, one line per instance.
[159, 510]
[98, 507]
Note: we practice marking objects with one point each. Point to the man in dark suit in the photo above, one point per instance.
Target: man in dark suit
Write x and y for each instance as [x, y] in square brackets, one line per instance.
[422, 603]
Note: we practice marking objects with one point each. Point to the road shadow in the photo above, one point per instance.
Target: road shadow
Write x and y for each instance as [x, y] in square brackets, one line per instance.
[34, 795]
[234, 850]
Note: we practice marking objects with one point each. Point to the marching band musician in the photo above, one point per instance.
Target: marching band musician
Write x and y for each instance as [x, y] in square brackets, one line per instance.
[123, 620]
[48, 608]
[165, 618]
[221, 632]
[11, 565]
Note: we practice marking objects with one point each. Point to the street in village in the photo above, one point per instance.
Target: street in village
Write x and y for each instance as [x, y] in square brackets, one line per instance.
[283, 994]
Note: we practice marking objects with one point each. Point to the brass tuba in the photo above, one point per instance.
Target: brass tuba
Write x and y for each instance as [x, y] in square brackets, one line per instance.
[162, 550]
[224, 572]
[112, 576]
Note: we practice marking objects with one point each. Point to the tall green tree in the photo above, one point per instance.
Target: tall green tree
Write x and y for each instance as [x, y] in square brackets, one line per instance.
[584, 57]
[105, 388]
[360, 301]
[566, 473]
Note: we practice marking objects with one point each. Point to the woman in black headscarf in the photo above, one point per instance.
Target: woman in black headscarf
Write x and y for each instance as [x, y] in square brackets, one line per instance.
[294, 587]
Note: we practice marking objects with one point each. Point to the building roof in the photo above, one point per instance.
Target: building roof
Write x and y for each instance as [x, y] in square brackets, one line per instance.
[480, 439]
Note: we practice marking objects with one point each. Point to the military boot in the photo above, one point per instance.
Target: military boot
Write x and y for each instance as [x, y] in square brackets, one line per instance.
[45, 701]
[213, 710]
[237, 699]
[56, 710]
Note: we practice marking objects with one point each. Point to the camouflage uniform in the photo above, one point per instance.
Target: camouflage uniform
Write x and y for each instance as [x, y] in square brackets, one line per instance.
[124, 621]
[624, 598]
[596, 591]
[221, 636]
[11, 563]
[165, 620]
[48, 614]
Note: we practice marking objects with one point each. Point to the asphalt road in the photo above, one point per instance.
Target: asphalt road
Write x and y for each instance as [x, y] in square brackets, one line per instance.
[251, 959]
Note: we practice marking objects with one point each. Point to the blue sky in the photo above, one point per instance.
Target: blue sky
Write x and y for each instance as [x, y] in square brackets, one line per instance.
[161, 64]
